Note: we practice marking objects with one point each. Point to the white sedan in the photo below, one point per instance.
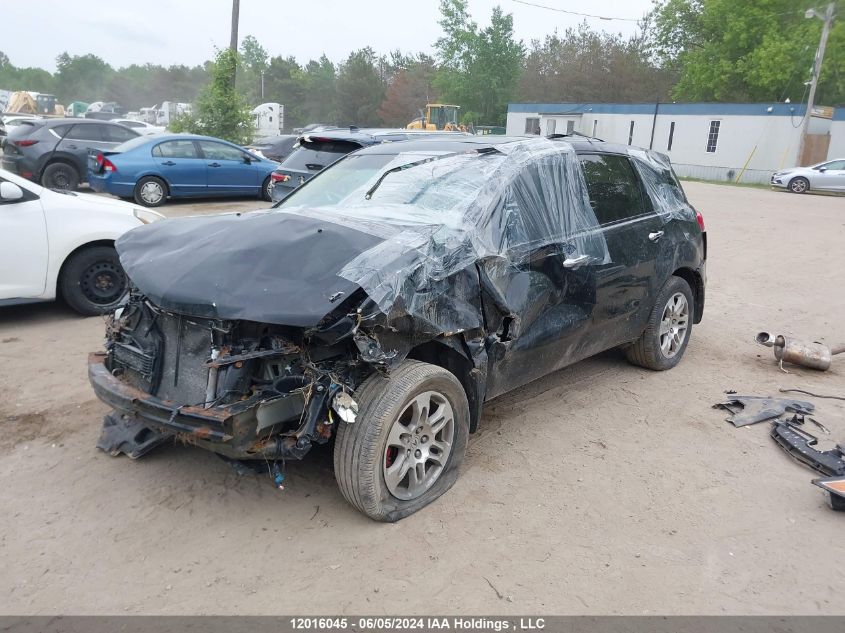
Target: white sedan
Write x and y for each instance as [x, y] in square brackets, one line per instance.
[826, 176]
[56, 243]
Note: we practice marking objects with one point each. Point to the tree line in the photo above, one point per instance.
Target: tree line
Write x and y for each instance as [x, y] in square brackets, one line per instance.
[698, 50]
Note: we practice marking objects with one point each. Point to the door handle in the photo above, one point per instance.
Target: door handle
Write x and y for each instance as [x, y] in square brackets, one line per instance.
[576, 262]
[169, 163]
[655, 236]
[214, 164]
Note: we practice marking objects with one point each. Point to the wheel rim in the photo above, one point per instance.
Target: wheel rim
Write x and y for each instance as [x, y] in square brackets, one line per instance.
[60, 180]
[151, 192]
[799, 186]
[270, 189]
[674, 325]
[418, 445]
[103, 283]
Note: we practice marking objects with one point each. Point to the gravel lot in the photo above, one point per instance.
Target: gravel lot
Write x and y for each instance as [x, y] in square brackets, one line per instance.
[601, 489]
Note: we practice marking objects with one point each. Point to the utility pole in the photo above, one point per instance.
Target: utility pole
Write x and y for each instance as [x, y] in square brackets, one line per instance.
[817, 67]
[233, 41]
[236, 11]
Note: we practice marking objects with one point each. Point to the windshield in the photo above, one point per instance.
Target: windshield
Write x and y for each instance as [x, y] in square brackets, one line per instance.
[430, 181]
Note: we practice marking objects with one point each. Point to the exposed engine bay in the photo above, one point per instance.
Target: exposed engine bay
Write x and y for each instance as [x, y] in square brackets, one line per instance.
[249, 390]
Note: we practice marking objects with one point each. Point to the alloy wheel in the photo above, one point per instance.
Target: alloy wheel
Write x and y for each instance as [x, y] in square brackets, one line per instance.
[674, 325]
[418, 445]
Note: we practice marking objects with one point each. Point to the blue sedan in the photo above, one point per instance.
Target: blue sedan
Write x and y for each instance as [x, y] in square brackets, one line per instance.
[151, 169]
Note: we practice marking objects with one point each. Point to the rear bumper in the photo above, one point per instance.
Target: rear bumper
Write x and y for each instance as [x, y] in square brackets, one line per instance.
[229, 430]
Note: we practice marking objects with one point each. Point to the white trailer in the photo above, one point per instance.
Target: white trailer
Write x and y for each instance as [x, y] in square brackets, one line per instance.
[268, 119]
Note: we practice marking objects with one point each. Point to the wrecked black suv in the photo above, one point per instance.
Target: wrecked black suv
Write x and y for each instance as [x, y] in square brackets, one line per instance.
[386, 300]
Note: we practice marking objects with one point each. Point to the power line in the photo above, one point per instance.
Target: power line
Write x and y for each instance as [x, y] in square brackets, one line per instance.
[583, 15]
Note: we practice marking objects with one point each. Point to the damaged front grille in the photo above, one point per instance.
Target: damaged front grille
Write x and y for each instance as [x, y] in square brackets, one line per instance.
[135, 359]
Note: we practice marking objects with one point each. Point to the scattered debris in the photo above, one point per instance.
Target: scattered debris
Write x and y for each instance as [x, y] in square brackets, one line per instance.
[820, 425]
[499, 594]
[789, 350]
[809, 393]
[835, 486]
[747, 410]
[799, 444]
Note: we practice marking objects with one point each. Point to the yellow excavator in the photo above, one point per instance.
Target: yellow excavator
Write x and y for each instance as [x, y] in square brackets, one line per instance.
[438, 116]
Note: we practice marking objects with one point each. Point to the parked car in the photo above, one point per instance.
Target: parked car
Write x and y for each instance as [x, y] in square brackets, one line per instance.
[275, 148]
[826, 176]
[142, 127]
[317, 151]
[54, 152]
[152, 169]
[55, 243]
[386, 300]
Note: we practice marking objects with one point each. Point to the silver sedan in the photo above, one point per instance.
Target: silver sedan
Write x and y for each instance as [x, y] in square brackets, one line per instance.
[826, 176]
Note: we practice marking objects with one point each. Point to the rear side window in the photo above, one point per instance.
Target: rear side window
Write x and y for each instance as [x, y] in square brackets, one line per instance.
[176, 149]
[614, 187]
[85, 132]
[317, 156]
[219, 151]
[118, 134]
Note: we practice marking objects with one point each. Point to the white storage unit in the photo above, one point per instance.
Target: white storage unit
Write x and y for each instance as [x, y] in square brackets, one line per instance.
[714, 141]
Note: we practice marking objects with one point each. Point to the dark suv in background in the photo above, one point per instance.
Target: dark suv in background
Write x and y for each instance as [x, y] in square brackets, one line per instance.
[54, 152]
[318, 150]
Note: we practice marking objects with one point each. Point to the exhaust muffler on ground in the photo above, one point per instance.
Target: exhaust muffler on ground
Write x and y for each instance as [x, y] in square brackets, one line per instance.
[789, 350]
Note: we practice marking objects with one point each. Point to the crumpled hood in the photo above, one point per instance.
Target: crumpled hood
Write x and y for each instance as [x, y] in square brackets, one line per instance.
[266, 267]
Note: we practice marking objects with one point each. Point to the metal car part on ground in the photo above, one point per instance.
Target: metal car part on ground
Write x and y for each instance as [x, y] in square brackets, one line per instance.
[414, 280]
[747, 410]
[789, 350]
[800, 445]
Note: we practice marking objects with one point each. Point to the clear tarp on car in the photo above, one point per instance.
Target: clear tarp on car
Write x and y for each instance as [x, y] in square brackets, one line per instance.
[438, 215]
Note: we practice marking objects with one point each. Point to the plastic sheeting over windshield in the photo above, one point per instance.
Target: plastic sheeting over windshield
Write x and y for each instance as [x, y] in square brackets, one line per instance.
[441, 214]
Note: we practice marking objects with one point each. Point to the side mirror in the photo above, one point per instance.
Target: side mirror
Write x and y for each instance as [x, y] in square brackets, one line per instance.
[248, 159]
[10, 192]
[822, 169]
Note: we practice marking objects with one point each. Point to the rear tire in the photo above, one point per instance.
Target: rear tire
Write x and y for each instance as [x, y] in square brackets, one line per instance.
[665, 338]
[392, 435]
[267, 190]
[150, 191]
[799, 185]
[60, 176]
[92, 281]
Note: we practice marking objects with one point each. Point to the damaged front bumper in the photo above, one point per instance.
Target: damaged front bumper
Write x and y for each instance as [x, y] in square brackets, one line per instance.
[241, 430]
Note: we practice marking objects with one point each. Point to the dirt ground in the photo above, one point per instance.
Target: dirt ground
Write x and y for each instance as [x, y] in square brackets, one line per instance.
[601, 489]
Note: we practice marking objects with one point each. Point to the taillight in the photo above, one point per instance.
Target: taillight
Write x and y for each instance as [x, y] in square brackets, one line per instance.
[25, 143]
[700, 219]
[107, 165]
[274, 177]
[100, 159]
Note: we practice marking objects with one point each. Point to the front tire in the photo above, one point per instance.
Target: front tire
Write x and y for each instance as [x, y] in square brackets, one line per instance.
[60, 176]
[150, 192]
[92, 281]
[664, 340]
[407, 444]
[799, 185]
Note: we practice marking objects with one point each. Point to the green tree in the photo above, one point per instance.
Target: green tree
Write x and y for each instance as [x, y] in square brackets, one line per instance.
[284, 83]
[746, 50]
[319, 101]
[586, 65]
[410, 88]
[254, 60]
[360, 89]
[220, 110]
[479, 68]
[81, 77]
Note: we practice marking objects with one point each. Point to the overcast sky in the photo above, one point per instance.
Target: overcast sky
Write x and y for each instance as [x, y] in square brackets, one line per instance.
[185, 31]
